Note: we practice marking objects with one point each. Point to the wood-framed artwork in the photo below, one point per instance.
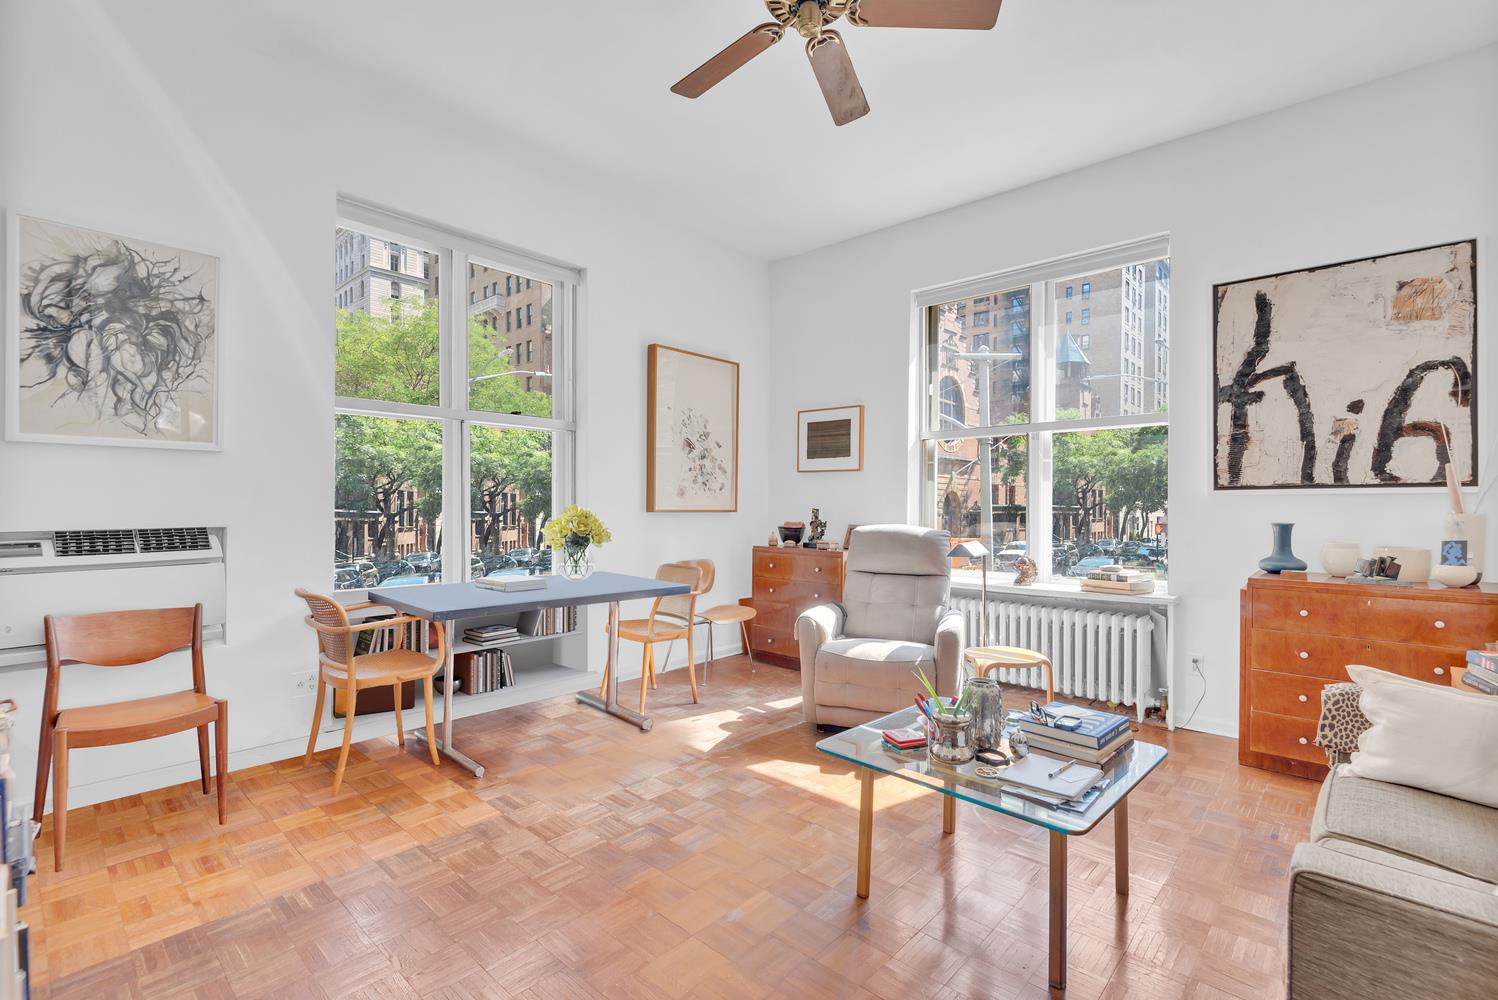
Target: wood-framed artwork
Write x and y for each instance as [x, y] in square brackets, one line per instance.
[692, 432]
[110, 340]
[1356, 374]
[830, 439]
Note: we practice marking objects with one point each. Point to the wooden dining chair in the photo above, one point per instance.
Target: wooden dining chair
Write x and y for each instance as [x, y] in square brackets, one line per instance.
[122, 639]
[722, 614]
[671, 618]
[340, 666]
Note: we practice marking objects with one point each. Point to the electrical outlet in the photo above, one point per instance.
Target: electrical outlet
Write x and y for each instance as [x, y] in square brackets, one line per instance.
[304, 683]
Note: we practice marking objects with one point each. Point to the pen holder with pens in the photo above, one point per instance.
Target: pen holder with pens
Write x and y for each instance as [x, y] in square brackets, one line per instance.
[950, 738]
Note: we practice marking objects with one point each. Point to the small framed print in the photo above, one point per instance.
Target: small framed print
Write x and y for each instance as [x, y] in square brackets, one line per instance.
[830, 439]
[1454, 552]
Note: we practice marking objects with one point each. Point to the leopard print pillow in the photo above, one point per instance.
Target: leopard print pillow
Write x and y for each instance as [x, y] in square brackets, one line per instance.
[1342, 721]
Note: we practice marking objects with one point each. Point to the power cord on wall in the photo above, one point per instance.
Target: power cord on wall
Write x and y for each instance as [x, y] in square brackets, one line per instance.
[1196, 664]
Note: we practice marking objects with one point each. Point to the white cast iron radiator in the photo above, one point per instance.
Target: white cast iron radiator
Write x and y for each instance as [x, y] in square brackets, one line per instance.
[1103, 655]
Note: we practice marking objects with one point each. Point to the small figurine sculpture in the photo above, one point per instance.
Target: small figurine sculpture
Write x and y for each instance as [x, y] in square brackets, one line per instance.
[774, 541]
[817, 530]
[1024, 571]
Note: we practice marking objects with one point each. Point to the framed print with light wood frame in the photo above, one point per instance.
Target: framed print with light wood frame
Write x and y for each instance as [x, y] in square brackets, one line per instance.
[692, 432]
[830, 439]
[110, 340]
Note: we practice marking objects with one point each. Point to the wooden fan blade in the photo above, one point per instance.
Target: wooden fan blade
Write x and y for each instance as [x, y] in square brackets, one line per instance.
[978, 15]
[715, 70]
[834, 70]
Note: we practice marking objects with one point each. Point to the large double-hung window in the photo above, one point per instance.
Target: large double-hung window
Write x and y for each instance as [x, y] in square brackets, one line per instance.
[1043, 439]
[454, 425]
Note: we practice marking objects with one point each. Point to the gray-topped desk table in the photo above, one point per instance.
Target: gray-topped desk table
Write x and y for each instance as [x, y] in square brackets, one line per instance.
[452, 602]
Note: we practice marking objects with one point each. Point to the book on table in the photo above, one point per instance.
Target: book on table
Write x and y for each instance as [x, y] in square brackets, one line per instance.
[512, 584]
[1100, 755]
[1087, 727]
[908, 738]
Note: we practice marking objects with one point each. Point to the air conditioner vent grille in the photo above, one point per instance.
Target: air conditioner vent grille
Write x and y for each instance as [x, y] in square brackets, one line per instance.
[173, 539]
[93, 543]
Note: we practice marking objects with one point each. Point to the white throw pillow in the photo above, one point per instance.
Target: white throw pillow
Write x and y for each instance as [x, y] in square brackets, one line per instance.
[1427, 736]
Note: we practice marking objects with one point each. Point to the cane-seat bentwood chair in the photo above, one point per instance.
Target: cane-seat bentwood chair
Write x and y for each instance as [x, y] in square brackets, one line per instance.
[124, 639]
[339, 665]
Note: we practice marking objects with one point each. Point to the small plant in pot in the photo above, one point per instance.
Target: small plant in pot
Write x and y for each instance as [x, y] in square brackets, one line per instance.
[573, 533]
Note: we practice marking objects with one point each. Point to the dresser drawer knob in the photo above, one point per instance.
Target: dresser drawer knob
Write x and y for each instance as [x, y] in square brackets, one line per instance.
[769, 641]
[1440, 624]
[1440, 671]
[1301, 697]
[1304, 655]
[772, 590]
[815, 596]
[1304, 613]
[1303, 741]
[819, 569]
[772, 565]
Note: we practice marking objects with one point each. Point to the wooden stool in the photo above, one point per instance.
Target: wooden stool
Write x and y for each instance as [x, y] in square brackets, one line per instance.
[727, 614]
[989, 660]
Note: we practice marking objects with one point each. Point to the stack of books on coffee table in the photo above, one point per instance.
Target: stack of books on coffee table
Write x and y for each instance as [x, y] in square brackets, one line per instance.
[1085, 734]
[1482, 671]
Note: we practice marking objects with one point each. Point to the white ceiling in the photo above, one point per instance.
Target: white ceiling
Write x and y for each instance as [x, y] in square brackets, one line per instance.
[957, 115]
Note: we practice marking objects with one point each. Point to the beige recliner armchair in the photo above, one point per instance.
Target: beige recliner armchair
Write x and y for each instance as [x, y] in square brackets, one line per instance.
[858, 659]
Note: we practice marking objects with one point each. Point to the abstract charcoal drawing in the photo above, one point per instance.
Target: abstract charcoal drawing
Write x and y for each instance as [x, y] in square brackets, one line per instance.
[1359, 374]
[114, 342]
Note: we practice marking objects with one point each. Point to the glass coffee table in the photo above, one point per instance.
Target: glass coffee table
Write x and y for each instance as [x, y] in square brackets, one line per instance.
[864, 746]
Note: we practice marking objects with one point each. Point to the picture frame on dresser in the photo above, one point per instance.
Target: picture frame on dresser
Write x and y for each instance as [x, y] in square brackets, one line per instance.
[1296, 636]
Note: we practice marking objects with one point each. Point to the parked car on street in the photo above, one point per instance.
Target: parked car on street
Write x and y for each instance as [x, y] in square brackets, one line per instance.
[397, 568]
[346, 577]
[499, 560]
[1090, 563]
[523, 557]
[1009, 555]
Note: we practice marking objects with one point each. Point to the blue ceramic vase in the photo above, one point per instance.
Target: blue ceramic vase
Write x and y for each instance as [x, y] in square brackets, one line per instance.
[1281, 558]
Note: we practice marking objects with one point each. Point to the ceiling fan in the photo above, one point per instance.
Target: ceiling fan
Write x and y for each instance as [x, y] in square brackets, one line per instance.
[824, 47]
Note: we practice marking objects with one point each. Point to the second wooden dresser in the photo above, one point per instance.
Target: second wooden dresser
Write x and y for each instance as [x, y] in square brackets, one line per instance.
[787, 581]
[1299, 635]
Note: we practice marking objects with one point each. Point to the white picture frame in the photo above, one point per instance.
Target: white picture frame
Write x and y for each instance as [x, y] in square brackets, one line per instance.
[830, 439]
[147, 372]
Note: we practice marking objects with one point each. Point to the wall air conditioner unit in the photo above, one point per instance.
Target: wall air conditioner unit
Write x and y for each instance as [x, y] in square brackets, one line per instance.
[82, 572]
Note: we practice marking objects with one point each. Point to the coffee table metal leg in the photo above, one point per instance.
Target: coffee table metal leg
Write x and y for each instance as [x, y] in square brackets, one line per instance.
[1058, 916]
[1121, 846]
[865, 830]
[948, 814]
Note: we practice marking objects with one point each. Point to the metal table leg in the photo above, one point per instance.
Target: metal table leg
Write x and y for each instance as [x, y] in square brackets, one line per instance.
[610, 704]
[445, 743]
[1058, 916]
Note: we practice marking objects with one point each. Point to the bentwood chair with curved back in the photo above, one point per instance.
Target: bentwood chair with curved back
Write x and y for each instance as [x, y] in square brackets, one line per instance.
[122, 639]
[340, 666]
[723, 614]
[671, 618]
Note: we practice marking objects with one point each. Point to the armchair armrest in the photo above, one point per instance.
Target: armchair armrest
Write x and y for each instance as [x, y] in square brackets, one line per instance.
[818, 624]
[1356, 922]
[950, 632]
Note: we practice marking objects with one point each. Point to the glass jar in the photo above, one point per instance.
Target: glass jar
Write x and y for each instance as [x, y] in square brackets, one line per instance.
[577, 560]
[951, 738]
[988, 713]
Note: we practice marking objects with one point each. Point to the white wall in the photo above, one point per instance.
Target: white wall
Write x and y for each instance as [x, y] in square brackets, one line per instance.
[165, 125]
[1400, 163]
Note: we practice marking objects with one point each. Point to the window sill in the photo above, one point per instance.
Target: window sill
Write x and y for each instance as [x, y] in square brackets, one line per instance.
[971, 584]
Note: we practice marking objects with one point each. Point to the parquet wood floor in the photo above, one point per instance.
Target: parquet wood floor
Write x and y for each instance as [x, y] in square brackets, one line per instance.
[713, 857]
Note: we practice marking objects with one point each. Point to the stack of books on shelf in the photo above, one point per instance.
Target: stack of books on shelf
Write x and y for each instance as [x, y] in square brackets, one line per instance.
[1085, 734]
[1482, 671]
[1114, 579]
[548, 621]
[487, 635]
[491, 670]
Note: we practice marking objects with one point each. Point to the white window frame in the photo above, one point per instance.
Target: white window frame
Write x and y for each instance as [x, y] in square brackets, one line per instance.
[455, 250]
[1044, 326]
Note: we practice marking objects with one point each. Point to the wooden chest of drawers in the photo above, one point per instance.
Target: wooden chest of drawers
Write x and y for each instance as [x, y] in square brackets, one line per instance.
[1298, 635]
[787, 582]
